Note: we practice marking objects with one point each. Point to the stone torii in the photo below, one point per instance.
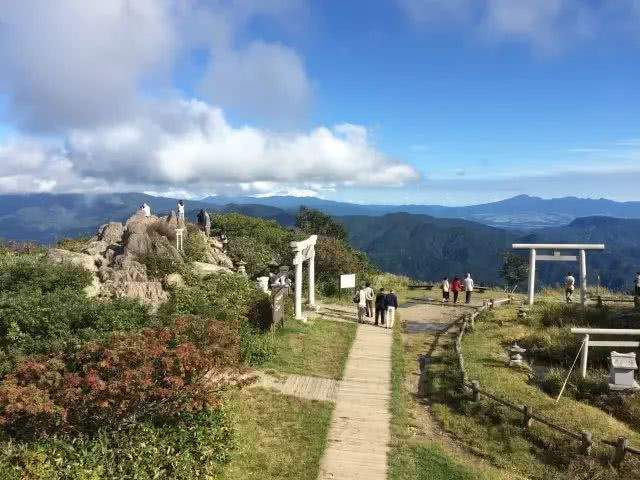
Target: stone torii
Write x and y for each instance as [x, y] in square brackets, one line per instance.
[558, 257]
[304, 250]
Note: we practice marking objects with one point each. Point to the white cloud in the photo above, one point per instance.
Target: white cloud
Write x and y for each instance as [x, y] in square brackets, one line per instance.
[70, 62]
[264, 80]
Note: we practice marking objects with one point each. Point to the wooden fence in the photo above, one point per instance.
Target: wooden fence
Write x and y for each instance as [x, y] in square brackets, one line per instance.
[620, 446]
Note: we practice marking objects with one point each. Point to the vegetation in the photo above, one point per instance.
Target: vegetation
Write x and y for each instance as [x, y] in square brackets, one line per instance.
[316, 222]
[318, 348]
[515, 270]
[76, 244]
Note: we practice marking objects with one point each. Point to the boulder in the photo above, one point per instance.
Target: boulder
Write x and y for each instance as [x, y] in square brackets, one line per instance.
[111, 233]
[215, 243]
[149, 292]
[58, 255]
[172, 220]
[138, 244]
[95, 248]
[203, 269]
[218, 258]
[174, 280]
[93, 290]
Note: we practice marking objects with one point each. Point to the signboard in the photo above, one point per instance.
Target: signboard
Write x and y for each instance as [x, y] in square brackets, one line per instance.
[348, 281]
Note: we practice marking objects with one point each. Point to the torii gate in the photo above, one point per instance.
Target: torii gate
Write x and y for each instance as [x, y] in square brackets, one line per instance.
[304, 250]
[558, 257]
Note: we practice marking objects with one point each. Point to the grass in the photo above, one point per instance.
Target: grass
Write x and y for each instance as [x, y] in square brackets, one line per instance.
[317, 348]
[416, 452]
[277, 437]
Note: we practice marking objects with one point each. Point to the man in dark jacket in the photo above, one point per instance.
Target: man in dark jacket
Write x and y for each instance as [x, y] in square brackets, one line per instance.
[381, 306]
[392, 304]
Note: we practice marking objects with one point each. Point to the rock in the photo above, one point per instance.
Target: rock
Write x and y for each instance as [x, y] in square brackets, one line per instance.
[172, 220]
[58, 255]
[174, 280]
[203, 269]
[138, 244]
[138, 223]
[218, 258]
[166, 248]
[215, 243]
[96, 248]
[94, 289]
[149, 292]
[111, 233]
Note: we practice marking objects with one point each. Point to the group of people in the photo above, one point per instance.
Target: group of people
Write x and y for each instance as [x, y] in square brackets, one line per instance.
[456, 286]
[380, 306]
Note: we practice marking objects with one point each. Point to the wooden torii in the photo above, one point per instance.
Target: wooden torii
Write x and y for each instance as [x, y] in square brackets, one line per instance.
[557, 256]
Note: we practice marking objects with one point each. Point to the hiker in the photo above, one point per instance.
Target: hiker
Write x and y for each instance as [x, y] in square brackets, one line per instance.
[204, 222]
[181, 212]
[381, 305]
[636, 284]
[146, 209]
[392, 304]
[361, 299]
[445, 290]
[225, 242]
[569, 287]
[456, 287]
[369, 292]
[468, 288]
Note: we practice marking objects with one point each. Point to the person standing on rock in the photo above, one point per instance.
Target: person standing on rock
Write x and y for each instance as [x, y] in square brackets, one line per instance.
[181, 212]
[636, 285]
[569, 287]
[381, 306]
[146, 209]
[456, 287]
[445, 290]
[468, 288]
[392, 304]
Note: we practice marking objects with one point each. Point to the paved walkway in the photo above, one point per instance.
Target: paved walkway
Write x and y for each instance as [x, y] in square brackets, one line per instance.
[358, 440]
[311, 388]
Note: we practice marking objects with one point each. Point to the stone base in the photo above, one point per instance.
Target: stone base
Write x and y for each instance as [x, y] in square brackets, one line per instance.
[622, 388]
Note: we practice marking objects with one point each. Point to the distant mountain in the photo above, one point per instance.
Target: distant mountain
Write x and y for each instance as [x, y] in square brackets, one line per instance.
[521, 212]
[283, 217]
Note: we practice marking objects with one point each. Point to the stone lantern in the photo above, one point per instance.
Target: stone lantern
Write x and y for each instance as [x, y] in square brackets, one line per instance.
[241, 267]
[515, 355]
[622, 368]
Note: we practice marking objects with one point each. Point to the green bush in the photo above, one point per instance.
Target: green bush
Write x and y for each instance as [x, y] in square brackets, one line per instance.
[26, 272]
[33, 323]
[552, 381]
[195, 245]
[191, 446]
[159, 266]
[335, 257]
[76, 244]
[256, 255]
[315, 222]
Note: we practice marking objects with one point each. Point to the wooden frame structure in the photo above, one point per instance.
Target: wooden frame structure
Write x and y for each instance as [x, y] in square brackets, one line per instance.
[587, 342]
[557, 256]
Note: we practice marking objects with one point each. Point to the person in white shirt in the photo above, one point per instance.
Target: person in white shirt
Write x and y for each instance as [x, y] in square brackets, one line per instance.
[636, 284]
[369, 293]
[569, 287]
[468, 287]
[445, 290]
[146, 209]
[181, 212]
[361, 297]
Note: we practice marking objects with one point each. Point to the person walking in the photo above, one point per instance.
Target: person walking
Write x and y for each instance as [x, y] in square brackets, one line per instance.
[569, 287]
[369, 291]
[456, 287]
[468, 288]
[445, 290]
[361, 297]
[381, 305]
[180, 212]
[392, 304]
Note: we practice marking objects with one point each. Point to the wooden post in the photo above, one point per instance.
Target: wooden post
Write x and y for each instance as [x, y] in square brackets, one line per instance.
[526, 421]
[585, 356]
[619, 452]
[586, 443]
[583, 277]
[475, 388]
[532, 275]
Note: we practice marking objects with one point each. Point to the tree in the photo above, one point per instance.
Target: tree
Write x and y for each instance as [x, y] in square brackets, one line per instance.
[315, 222]
[514, 269]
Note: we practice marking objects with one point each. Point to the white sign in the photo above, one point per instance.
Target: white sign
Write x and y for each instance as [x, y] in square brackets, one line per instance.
[348, 281]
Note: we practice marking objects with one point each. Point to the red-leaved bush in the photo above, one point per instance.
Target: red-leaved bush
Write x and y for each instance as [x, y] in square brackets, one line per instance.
[152, 372]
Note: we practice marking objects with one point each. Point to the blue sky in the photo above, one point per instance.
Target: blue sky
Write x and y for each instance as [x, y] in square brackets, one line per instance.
[403, 101]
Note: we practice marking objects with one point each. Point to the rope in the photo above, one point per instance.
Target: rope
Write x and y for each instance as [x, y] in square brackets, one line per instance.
[570, 370]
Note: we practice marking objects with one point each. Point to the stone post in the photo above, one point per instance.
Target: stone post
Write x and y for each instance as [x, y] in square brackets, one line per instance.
[312, 280]
[532, 275]
[583, 277]
[298, 298]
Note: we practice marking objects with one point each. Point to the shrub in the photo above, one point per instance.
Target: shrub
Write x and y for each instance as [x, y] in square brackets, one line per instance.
[159, 266]
[32, 273]
[32, 323]
[13, 247]
[334, 258]
[153, 373]
[189, 446]
[564, 315]
[76, 244]
[552, 381]
[162, 229]
[256, 255]
[315, 222]
[195, 245]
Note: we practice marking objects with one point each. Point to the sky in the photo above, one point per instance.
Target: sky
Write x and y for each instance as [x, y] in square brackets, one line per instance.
[401, 101]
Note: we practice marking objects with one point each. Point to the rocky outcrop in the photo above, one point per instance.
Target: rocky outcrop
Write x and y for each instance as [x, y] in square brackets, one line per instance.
[58, 255]
[111, 233]
[174, 280]
[96, 248]
[203, 269]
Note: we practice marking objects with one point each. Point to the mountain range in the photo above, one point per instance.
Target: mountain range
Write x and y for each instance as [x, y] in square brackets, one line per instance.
[423, 246]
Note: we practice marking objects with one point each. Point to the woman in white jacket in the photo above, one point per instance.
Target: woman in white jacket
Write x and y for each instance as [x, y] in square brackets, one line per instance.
[445, 290]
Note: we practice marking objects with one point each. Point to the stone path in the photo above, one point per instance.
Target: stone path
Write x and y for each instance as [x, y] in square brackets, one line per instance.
[310, 388]
[358, 440]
